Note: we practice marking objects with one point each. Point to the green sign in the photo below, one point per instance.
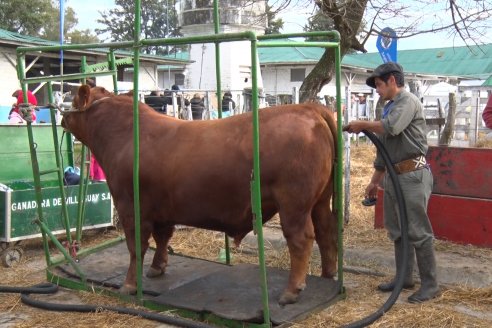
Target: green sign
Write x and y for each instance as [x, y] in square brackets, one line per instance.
[19, 210]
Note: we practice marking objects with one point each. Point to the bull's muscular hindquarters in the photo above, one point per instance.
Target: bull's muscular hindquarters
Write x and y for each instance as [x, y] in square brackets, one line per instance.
[198, 174]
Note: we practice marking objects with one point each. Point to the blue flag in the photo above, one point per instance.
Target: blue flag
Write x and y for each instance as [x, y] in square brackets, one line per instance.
[386, 44]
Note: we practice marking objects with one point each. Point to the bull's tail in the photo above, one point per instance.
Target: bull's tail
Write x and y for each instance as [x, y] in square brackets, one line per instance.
[329, 118]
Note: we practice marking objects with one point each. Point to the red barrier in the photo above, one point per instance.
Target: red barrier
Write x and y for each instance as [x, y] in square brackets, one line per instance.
[460, 207]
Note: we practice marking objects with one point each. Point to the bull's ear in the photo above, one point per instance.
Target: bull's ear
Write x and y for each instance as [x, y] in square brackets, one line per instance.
[83, 95]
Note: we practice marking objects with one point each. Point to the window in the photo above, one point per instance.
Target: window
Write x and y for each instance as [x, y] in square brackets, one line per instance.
[297, 74]
[179, 79]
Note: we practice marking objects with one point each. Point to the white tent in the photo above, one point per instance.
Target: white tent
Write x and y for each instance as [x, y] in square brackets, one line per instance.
[441, 89]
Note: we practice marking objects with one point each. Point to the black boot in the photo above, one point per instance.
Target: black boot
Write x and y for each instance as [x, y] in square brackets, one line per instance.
[408, 281]
[426, 261]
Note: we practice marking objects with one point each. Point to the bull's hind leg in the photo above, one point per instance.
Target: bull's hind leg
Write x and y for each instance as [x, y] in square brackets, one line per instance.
[299, 234]
[326, 232]
[162, 234]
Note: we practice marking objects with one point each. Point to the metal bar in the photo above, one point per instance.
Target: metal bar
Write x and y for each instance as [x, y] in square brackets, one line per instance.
[84, 180]
[21, 74]
[218, 95]
[217, 64]
[46, 230]
[224, 37]
[112, 45]
[256, 186]
[44, 172]
[298, 44]
[338, 204]
[335, 35]
[59, 169]
[75, 76]
[112, 67]
[136, 152]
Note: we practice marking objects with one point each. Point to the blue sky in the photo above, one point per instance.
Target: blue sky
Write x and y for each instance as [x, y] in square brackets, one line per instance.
[87, 14]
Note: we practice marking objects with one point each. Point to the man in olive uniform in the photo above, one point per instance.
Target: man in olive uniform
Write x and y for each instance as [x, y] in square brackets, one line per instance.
[402, 132]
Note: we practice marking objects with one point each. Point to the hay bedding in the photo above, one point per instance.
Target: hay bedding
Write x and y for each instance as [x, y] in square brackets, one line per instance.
[458, 306]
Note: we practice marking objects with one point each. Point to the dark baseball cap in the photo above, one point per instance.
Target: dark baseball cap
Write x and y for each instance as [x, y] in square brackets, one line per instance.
[383, 69]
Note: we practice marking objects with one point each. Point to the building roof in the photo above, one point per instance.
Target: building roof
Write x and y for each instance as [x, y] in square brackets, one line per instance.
[19, 40]
[473, 62]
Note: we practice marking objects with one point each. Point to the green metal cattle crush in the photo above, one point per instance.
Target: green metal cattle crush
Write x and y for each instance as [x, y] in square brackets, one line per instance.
[84, 280]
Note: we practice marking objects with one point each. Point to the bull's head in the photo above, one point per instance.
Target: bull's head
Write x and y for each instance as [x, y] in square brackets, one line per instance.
[85, 98]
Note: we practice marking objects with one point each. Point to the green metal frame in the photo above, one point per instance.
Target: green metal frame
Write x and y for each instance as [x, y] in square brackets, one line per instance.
[137, 44]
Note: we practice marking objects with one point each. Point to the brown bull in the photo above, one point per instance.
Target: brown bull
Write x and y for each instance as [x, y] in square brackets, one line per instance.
[198, 174]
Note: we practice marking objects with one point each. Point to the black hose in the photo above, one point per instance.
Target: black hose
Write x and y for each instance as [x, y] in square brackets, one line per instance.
[402, 267]
[49, 288]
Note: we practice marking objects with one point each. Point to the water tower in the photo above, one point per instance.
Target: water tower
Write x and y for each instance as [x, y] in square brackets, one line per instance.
[196, 18]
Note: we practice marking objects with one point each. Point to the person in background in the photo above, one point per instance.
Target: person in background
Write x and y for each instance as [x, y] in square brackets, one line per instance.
[487, 113]
[402, 131]
[156, 101]
[226, 100]
[96, 173]
[197, 107]
[15, 116]
[179, 98]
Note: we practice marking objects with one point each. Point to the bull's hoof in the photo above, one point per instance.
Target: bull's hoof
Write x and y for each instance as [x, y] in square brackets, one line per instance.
[128, 290]
[288, 298]
[153, 272]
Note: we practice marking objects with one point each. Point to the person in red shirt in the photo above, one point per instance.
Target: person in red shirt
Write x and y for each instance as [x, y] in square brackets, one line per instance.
[15, 114]
[487, 113]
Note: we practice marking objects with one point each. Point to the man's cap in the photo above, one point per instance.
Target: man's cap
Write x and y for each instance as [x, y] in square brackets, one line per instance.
[383, 69]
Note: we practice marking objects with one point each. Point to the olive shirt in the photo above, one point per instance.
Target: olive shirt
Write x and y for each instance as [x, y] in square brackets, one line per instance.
[405, 138]
[405, 128]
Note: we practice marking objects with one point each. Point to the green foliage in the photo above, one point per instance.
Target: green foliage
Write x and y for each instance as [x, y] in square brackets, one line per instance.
[158, 21]
[319, 22]
[41, 18]
[274, 25]
[25, 16]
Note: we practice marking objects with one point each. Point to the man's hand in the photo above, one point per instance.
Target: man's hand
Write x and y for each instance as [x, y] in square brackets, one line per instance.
[358, 126]
[355, 127]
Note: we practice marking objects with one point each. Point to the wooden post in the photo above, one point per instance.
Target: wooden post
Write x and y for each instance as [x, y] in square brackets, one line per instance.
[447, 133]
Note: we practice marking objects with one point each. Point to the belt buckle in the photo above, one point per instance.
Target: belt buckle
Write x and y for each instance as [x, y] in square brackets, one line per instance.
[419, 162]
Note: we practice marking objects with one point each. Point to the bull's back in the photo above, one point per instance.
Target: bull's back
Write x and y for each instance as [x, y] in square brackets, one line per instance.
[212, 161]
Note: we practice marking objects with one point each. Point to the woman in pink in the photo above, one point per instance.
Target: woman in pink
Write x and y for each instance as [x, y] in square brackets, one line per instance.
[15, 116]
[487, 113]
[96, 172]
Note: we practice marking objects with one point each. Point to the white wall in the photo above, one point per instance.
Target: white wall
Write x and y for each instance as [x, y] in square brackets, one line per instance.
[10, 83]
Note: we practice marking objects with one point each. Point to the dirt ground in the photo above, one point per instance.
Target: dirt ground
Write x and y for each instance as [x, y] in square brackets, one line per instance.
[464, 302]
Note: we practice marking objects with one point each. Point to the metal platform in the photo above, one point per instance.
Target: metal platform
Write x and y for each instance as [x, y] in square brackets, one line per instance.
[201, 286]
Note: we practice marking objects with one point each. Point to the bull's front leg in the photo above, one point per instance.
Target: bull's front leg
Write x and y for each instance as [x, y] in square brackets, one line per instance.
[300, 243]
[130, 285]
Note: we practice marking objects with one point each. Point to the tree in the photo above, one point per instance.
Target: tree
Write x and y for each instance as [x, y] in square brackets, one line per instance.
[157, 21]
[41, 18]
[274, 24]
[25, 16]
[467, 20]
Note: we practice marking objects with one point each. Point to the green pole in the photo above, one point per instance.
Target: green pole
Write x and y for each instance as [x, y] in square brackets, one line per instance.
[112, 67]
[136, 150]
[34, 160]
[65, 217]
[218, 95]
[84, 179]
[339, 167]
[218, 71]
[256, 185]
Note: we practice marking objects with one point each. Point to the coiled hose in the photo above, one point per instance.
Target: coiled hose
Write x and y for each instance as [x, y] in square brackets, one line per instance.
[49, 288]
[402, 267]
